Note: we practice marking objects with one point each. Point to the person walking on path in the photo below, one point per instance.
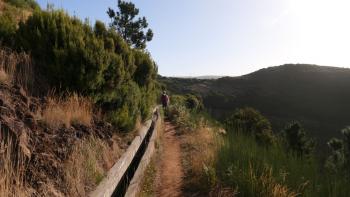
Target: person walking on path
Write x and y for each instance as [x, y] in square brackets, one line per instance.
[165, 100]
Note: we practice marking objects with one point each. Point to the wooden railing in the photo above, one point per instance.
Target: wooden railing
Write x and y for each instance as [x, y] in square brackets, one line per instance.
[124, 178]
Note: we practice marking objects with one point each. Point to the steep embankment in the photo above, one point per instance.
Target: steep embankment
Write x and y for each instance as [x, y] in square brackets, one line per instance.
[88, 85]
[315, 95]
[45, 153]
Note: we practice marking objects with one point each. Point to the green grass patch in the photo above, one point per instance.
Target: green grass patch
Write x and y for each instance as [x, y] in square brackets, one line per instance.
[269, 171]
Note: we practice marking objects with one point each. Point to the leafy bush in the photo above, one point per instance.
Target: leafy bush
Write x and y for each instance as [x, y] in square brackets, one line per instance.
[193, 102]
[13, 11]
[10, 16]
[24, 3]
[296, 140]
[68, 52]
[252, 123]
[7, 29]
[185, 116]
[127, 107]
[339, 160]
[94, 61]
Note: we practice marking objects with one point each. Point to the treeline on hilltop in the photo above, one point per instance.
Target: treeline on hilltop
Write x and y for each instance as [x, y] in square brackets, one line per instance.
[95, 61]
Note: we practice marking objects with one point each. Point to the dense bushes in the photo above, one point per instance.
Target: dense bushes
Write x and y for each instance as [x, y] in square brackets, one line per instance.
[193, 102]
[251, 122]
[70, 53]
[73, 56]
[296, 140]
[339, 160]
[24, 3]
[11, 13]
[186, 112]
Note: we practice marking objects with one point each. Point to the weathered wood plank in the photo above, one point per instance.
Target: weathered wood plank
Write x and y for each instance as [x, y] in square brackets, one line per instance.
[135, 184]
[114, 175]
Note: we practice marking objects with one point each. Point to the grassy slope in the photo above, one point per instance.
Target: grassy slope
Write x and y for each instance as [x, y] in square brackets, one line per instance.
[258, 171]
[316, 96]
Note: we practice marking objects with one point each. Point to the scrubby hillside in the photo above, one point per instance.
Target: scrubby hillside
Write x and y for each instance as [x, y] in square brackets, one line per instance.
[317, 96]
[42, 148]
[70, 55]
[248, 159]
[71, 95]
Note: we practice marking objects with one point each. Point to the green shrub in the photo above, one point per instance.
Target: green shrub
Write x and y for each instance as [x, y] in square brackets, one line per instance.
[24, 3]
[184, 117]
[67, 52]
[10, 16]
[94, 61]
[252, 123]
[7, 29]
[193, 102]
[339, 160]
[297, 141]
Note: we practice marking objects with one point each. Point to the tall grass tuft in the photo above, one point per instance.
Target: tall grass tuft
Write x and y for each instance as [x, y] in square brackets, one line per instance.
[270, 171]
[87, 165]
[73, 109]
[199, 148]
[16, 68]
[12, 168]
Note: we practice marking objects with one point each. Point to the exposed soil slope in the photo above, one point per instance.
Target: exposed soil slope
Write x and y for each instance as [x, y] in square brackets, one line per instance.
[45, 149]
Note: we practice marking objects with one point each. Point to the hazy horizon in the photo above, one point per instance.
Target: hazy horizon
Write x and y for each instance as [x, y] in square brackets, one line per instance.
[233, 38]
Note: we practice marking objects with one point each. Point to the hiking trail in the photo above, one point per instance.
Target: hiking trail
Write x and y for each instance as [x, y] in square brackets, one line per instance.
[169, 178]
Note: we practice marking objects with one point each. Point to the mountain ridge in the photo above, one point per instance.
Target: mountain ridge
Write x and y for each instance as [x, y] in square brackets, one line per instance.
[316, 96]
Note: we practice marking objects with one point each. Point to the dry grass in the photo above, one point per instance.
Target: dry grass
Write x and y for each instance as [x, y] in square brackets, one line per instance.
[200, 155]
[4, 79]
[67, 111]
[202, 152]
[16, 68]
[88, 164]
[199, 149]
[270, 186]
[18, 14]
[2, 5]
[220, 191]
[12, 168]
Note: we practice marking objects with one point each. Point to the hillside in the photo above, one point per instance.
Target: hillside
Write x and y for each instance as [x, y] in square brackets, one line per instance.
[72, 95]
[317, 96]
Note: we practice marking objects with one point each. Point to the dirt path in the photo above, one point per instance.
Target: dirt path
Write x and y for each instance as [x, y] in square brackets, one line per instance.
[170, 172]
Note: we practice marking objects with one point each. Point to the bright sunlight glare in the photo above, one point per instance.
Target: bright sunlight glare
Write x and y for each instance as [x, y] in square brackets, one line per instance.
[322, 31]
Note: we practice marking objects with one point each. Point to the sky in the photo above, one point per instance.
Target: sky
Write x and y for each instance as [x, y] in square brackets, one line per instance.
[234, 37]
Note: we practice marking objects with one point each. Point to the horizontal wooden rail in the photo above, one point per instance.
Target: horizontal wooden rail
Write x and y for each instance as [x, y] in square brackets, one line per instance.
[119, 176]
[135, 184]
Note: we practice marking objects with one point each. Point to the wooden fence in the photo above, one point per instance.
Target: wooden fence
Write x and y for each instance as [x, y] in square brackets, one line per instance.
[124, 178]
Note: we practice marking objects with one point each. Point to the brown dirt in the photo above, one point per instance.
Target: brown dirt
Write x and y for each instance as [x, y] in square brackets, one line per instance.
[46, 149]
[2, 5]
[170, 174]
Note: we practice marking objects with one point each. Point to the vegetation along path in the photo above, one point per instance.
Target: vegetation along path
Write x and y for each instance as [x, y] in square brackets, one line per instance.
[170, 173]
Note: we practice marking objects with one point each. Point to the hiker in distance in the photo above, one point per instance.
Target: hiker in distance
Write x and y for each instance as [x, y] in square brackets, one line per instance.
[165, 100]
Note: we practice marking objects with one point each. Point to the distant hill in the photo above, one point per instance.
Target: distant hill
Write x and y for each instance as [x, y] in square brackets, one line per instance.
[317, 96]
[200, 77]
